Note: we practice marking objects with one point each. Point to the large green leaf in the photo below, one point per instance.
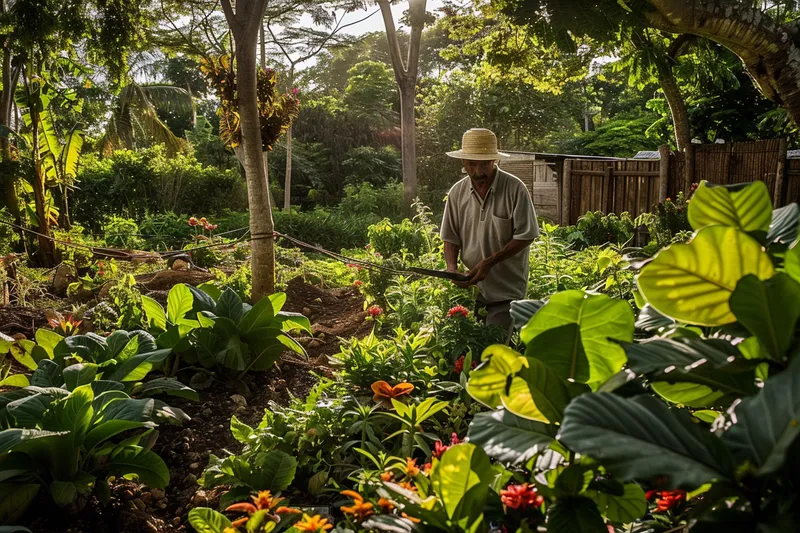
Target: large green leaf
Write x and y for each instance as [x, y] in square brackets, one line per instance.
[48, 374]
[583, 349]
[640, 438]
[747, 207]
[623, 509]
[74, 414]
[79, 374]
[147, 465]
[487, 383]
[509, 438]
[461, 469]
[138, 366]
[784, 225]
[15, 380]
[713, 363]
[11, 439]
[15, 499]
[230, 306]
[293, 321]
[170, 386]
[156, 317]
[536, 392]
[21, 351]
[29, 411]
[179, 302]
[70, 154]
[276, 469]
[48, 340]
[575, 514]
[523, 310]
[260, 316]
[769, 310]
[205, 520]
[767, 423]
[693, 282]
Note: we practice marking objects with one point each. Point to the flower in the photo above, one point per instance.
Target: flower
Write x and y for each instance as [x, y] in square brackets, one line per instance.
[295, 90]
[458, 310]
[669, 499]
[459, 365]
[427, 468]
[383, 391]
[313, 524]
[408, 486]
[203, 221]
[263, 500]
[358, 283]
[387, 476]
[439, 448]
[211, 227]
[359, 509]
[375, 311]
[192, 221]
[411, 467]
[385, 505]
[415, 520]
[520, 497]
[454, 439]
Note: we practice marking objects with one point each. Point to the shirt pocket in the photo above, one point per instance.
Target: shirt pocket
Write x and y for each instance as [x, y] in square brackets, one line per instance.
[501, 231]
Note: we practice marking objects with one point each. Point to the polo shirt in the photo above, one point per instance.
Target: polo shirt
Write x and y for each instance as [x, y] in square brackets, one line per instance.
[484, 226]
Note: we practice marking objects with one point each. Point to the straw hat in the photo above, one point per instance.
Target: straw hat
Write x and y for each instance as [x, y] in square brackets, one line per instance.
[478, 144]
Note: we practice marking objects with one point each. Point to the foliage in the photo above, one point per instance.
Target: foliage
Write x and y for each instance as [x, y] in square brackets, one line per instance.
[667, 223]
[121, 232]
[596, 229]
[376, 166]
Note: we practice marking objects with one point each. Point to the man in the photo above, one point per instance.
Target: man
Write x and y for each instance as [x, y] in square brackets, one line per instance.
[489, 219]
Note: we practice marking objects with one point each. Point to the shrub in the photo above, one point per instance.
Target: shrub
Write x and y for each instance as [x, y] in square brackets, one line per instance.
[596, 229]
[121, 232]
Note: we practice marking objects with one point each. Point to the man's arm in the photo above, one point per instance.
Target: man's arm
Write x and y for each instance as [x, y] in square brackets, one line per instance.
[481, 270]
[451, 252]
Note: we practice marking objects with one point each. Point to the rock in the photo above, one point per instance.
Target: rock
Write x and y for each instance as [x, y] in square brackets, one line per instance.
[190, 478]
[62, 278]
[201, 380]
[200, 499]
[306, 311]
[316, 343]
[180, 264]
[195, 466]
[207, 412]
[280, 385]
[107, 286]
[139, 504]
[321, 336]
[242, 388]
[239, 400]
[158, 494]
[176, 521]
[19, 337]
[147, 498]
[161, 505]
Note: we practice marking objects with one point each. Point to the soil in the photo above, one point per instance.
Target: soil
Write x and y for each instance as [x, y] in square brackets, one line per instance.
[134, 508]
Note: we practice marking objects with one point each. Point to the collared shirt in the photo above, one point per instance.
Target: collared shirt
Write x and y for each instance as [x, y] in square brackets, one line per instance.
[484, 226]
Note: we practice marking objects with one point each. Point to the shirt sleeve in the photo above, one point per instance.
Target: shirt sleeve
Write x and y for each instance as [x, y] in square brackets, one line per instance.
[449, 231]
[526, 227]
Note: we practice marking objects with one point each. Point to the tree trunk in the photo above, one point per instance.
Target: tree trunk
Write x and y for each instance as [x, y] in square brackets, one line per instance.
[409, 142]
[8, 182]
[677, 106]
[261, 225]
[47, 249]
[287, 193]
[769, 51]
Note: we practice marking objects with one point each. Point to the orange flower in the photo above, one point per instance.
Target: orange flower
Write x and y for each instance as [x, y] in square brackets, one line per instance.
[261, 501]
[359, 509]
[287, 510]
[415, 520]
[411, 467]
[314, 524]
[384, 392]
[408, 486]
[387, 476]
[385, 505]
[242, 521]
[265, 500]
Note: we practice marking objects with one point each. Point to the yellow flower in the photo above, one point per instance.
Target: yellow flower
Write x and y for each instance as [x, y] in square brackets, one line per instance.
[314, 524]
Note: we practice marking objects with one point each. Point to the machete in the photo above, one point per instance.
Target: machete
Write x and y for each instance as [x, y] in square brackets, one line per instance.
[454, 276]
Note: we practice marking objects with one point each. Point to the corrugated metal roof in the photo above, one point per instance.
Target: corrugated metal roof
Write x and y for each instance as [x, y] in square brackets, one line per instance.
[647, 154]
[793, 154]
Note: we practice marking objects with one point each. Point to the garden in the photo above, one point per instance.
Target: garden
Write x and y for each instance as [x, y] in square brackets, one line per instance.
[216, 313]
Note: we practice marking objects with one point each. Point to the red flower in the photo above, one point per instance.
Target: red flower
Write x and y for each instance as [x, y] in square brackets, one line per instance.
[458, 310]
[459, 365]
[375, 311]
[358, 283]
[455, 440]
[439, 448]
[193, 221]
[211, 227]
[520, 497]
[650, 494]
[669, 499]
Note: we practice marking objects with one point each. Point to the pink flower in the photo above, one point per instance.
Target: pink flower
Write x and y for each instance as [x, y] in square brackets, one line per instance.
[458, 310]
[193, 221]
[295, 91]
[211, 227]
[520, 497]
[375, 311]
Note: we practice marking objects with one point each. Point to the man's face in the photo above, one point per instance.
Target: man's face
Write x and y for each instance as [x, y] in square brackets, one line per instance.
[479, 170]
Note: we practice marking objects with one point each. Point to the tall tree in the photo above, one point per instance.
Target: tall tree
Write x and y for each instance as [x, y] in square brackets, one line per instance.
[765, 35]
[405, 73]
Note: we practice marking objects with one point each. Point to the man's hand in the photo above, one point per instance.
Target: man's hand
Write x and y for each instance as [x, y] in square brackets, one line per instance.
[462, 284]
[479, 271]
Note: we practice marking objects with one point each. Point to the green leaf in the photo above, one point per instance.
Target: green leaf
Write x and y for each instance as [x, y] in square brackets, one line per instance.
[48, 340]
[767, 423]
[278, 300]
[509, 438]
[624, 509]
[179, 302]
[651, 320]
[769, 310]
[15, 499]
[79, 374]
[693, 282]
[523, 310]
[74, 413]
[138, 366]
[785, 221]
[170, 386]
[640, 438]
[713, 363]
[461, 480]
[240, 431]
[575, 515]
[583, 348]
[293, 321]
[205, 520]
[11, 439]
[147, 465]
[211, 290]
[746, 207]
[21, 351]
[260, 316]
[573, 479]
[277, 469]
[156, 318]
[487, 383]
[15, 380]
[230, 306]
[536, 392]
[29, 411]
[48, 374]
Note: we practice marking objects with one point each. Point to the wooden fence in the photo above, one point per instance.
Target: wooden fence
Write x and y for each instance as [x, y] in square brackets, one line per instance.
[541, 180]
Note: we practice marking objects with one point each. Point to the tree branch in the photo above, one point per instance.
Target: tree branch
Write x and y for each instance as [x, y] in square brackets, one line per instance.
[417, 16]
[400, 71]
[230, 16]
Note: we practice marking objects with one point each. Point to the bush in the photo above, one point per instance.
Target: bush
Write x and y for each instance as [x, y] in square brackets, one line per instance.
[386, 202]
[376, 166]
[596, 229]
[121, 232]
[329, 228]
[133, 183]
